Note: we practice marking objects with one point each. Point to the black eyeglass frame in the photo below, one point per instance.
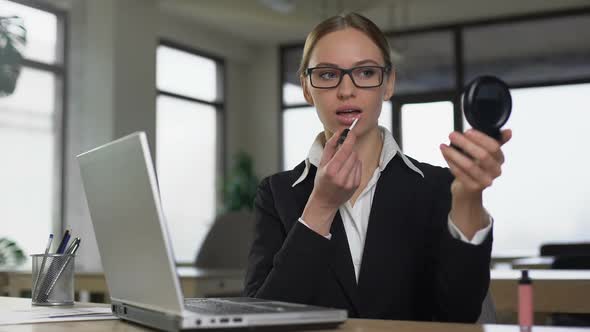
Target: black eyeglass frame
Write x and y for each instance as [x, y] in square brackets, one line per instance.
[384, 69]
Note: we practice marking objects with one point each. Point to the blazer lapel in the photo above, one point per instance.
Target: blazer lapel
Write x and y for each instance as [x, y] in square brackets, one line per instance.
[341, 261]
[303, 189]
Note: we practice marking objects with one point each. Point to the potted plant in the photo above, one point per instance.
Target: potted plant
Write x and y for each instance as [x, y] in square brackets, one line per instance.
[13, 38]
[10, 253]
[239, 188]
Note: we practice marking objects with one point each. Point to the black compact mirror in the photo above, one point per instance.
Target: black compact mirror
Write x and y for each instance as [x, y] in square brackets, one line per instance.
[487, 104]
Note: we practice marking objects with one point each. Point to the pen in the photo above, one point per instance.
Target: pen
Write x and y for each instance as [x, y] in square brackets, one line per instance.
[64, 242]
[71, 252]
[74, 247]
[42, 265]
[71, 247]
[345, 132]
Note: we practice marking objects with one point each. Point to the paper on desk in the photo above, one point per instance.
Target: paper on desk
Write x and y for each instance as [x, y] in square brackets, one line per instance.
[53, 314]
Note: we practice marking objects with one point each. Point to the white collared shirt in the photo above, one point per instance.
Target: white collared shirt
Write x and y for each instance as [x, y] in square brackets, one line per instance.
[356, 218]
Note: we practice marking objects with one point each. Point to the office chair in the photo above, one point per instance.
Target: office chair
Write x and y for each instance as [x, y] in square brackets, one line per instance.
[228, 242]
[488, 310]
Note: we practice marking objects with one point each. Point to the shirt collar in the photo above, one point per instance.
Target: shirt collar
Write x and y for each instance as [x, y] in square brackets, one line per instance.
[389, 150]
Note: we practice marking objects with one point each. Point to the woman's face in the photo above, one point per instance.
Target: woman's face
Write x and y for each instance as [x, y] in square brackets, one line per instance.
[346, 49]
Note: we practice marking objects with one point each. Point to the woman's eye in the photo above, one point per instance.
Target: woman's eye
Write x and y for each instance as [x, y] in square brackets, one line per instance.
[366, 73]
[328, 74]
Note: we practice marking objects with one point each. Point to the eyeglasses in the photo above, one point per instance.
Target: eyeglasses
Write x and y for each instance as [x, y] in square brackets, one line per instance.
[362, 77]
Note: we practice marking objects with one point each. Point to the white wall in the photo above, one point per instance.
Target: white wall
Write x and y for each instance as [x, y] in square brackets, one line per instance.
[261, 127]
[111, 93]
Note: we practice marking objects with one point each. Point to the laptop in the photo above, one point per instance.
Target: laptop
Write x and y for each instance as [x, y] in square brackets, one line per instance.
[124, 202]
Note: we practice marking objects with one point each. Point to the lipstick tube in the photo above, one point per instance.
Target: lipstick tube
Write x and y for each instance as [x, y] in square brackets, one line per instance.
[525, 300]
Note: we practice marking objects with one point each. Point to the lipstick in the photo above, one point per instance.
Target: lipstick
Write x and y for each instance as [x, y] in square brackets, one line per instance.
[345, 132]
[525, 301]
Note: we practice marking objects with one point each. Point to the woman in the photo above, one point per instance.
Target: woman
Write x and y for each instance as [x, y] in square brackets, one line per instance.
[359, 225]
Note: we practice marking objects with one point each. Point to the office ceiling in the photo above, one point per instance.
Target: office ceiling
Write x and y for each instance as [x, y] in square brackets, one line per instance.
[283, 21]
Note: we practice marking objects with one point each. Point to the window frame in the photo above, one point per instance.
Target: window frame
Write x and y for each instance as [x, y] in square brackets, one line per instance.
[220, 107]
[220, 104]
[60, 72]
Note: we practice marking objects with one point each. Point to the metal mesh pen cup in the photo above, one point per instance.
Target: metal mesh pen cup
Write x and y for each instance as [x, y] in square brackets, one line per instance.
[53, 279]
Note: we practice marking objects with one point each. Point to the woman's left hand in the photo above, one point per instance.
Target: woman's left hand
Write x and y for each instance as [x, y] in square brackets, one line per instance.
[474, 170]
[473, 175]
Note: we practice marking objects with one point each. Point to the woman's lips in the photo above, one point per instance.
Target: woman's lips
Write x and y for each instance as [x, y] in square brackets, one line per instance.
[347, 118]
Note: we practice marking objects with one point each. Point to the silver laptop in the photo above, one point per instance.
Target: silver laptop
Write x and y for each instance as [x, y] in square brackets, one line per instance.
[123, 197]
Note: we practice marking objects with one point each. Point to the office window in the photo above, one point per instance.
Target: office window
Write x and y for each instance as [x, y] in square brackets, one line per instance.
[424, 127]
[187, 74]
[42, 31]
[542, 195]
[292, 91]
[30, 133]
[423, 62]
[189, 110]
[301, 126]
[530, 51]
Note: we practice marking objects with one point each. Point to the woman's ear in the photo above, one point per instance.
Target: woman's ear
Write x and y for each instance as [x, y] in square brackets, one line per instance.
[306, 93]
[389, 85]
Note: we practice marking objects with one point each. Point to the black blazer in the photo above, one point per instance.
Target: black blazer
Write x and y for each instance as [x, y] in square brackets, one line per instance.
[412, 268]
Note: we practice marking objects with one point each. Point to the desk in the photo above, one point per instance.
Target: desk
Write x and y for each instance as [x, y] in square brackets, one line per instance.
[194, 282]
[351, 325]
[565, 291]
[533, 263]
[555, 290]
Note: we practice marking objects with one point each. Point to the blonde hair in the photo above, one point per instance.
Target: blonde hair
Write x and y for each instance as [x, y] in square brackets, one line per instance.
[341, 22]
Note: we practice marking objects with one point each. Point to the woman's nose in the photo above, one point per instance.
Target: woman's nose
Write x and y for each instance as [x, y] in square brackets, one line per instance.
[346, 87]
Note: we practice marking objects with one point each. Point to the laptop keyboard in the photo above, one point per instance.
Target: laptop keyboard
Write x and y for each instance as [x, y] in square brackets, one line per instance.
[221, 307]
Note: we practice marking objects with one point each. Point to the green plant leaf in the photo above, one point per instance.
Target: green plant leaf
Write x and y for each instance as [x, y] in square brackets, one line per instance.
[239, 187]
[13, 39]
[10, 253]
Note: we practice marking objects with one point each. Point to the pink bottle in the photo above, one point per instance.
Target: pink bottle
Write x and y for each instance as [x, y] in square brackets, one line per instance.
[525, 300]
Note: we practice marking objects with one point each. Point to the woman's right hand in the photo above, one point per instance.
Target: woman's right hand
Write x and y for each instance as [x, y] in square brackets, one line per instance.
[337, 178]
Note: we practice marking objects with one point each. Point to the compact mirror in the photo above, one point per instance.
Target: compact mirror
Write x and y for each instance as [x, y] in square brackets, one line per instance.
[487, 104]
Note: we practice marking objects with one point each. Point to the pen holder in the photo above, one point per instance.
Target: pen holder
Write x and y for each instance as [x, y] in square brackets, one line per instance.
[53, 279]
